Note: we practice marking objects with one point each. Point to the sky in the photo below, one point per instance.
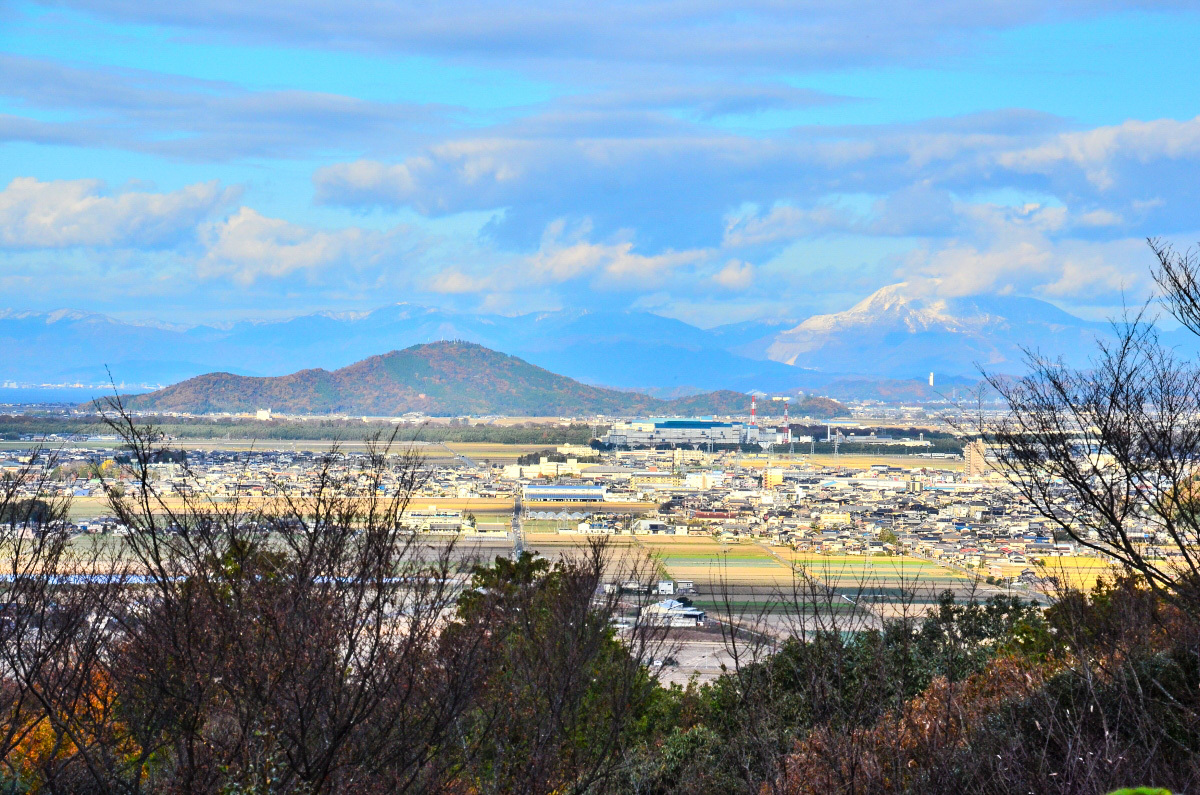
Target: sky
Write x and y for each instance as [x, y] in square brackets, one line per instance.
[712, 161]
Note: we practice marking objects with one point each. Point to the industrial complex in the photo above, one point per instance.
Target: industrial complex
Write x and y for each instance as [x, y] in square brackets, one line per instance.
[668, 432]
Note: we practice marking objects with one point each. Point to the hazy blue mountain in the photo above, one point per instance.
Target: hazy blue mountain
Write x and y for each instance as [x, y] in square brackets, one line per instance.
[67, 346]
[893, 334]
[749, 338]
[628, 350]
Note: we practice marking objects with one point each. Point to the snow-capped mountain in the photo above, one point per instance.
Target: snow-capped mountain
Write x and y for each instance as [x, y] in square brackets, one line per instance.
[899, 332]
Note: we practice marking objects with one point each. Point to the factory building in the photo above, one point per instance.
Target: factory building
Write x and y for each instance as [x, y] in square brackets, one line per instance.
[535, 493]
[654, 433]
[434, 520]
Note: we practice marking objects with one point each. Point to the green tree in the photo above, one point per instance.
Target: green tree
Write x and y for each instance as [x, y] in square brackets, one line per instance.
[561, 694]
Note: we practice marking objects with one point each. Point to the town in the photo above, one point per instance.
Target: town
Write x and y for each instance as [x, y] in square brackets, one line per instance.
[654, 481]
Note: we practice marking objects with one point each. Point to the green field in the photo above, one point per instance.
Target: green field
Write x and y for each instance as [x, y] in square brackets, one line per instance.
[891, 570]
[706, 560]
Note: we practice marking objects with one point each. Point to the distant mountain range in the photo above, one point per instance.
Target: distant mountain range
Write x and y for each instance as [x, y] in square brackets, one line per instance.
[439, 378]
[894, 334]
[624, 350]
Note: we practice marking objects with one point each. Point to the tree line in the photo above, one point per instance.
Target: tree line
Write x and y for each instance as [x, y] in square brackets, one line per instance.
[13, 427]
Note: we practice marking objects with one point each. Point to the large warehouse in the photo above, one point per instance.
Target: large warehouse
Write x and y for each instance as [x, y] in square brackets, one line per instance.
[652, 433]
[536, 493]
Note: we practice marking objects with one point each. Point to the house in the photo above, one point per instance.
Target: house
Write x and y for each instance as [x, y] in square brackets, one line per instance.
[651, 527]
[673, 613]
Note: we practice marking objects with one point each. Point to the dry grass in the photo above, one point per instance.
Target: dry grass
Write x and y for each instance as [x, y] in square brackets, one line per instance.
[867, 461]
[1078, 571]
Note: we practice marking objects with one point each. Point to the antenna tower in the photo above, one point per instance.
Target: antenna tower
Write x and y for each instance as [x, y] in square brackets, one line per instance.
[787, 428]
[787, 424]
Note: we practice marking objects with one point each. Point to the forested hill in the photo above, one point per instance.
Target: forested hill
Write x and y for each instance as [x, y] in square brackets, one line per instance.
[438, 379]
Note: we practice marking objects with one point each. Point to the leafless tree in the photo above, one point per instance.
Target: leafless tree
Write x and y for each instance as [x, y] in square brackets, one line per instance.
[307, 641]
[55, 593]
[809, 657]
[1109, 453]
[295, 641]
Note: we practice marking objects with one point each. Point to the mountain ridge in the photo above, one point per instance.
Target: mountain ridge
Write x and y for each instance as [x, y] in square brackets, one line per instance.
[896, 333]
[452, 378]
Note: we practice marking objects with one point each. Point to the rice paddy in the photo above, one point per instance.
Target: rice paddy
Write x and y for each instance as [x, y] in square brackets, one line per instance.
[751, 564]
[1078, 571]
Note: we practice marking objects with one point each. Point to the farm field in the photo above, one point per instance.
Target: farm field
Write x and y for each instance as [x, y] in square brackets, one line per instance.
[482, 452]
[752, 572]
[704, 559]
[1080, 571]
[755, 572]
[890, 573]
[434, 452]
[93, 506]
[487, 509]
[867, 461]
[848, 461]
[549, 545]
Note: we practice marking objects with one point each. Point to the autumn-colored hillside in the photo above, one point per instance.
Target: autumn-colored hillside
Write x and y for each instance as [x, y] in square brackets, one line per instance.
[440, 378]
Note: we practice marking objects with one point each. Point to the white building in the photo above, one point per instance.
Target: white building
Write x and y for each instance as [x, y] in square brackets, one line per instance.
[652, 433]
[673, 613]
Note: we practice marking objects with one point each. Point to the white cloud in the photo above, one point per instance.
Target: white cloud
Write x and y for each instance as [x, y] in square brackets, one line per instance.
[193, 118]
[1099, 218]
[784, 222]
[621, 169]
[473, 173]
[68, 213]
[248, 246]
[386, 183]
[1094, 151]
[1030, 264]
[736, 275]
[454, 281]
[563, 257]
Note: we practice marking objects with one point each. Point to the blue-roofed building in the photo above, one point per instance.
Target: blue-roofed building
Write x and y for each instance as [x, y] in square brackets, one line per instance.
[655, 432]
[552, 493]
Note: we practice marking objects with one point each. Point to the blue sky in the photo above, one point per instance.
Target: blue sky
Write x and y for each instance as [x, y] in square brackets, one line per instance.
[711, 161]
